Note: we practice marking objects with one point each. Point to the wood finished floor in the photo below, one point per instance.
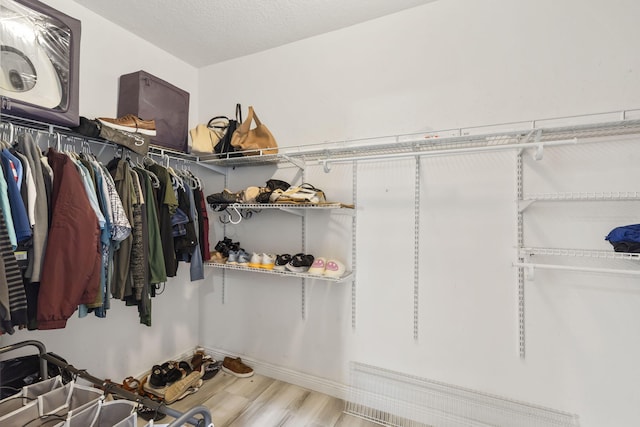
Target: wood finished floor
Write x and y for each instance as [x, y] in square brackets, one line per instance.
[259, 401]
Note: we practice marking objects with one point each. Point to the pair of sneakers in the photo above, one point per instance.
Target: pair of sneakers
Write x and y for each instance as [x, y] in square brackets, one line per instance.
[298, 263]
[263, 260]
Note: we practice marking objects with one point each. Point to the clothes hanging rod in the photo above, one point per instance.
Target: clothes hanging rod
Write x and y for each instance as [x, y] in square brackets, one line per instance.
[14, 123]
[532, 266]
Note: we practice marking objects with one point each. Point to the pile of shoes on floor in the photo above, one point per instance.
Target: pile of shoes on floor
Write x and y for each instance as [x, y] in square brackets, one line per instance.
[230, 252]
[275, 191]
[175, 380]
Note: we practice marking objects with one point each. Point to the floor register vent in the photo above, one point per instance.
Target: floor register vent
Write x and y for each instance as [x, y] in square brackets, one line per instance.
[396, 399]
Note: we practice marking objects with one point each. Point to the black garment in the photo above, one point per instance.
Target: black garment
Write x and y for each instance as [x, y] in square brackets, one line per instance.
[164, 217]
[184, 244]
[197, 199]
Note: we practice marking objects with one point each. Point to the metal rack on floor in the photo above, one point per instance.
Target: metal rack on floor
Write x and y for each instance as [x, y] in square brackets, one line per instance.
[115, 389]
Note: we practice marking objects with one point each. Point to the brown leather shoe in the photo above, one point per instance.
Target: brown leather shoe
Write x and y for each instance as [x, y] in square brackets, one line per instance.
[131, 123]
[236, 367]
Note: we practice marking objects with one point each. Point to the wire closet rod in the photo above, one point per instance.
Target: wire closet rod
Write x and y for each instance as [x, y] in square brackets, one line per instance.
[449, 151]
[113, 388]
[576, 268]
[12, 123]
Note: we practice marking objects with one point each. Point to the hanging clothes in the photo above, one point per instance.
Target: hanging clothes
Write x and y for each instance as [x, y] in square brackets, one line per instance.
[13, 301]
[157, 269]
[29, 148]
[28, 187]
[69, 270]
[138, 261]
[196, 269]
[203, 223]
[6, 208]
[12, 169]
[167, 205]
[121, 283]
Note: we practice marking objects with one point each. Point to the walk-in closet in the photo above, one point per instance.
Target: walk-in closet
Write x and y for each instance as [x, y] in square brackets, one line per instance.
[459, 171]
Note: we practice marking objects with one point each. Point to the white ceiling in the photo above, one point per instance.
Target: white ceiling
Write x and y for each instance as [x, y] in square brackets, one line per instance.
[204, 32]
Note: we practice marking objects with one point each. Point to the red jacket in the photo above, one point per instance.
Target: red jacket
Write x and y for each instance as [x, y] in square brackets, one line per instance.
[71, 269]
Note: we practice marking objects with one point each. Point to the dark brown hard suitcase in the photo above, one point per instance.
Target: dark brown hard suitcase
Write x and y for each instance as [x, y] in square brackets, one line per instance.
[151, 98]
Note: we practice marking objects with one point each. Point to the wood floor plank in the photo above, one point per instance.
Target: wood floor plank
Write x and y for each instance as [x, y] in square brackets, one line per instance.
[273, 406]
[260, 401]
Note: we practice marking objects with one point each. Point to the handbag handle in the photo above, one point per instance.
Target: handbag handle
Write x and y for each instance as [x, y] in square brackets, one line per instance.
[251, 116]
[238, 113]
[209, 125]
[255, 117]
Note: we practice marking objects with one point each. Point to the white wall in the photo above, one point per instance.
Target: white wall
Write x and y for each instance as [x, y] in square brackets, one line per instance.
[119, 346]
[446, 64]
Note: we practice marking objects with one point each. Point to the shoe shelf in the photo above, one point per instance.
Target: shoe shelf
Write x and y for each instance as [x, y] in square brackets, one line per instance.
[343, 278]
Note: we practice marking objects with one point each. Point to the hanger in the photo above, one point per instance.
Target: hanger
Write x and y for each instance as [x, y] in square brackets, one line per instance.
[229, 219]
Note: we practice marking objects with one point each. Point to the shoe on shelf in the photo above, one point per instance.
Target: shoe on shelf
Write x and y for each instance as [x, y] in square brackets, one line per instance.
[250, 194]
[268, 261]
[131, 123]
[236, 367]
[300, 263]
[226, 245]
[243, 258]
[318, 266]
[255, 261]
[281, 262]
[334, 268]
[220, 201]
[218, 258]
[233, 257]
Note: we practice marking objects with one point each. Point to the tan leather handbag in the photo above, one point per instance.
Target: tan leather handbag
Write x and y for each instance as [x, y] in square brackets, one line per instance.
[256, 141]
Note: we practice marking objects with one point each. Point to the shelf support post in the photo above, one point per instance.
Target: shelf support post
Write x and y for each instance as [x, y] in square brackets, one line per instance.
[520, 244]
[416, 251]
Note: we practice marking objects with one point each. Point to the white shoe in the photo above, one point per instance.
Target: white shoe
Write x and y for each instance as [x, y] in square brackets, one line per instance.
[334, 268]
[268, 261]
[318, 266]
[255, 261]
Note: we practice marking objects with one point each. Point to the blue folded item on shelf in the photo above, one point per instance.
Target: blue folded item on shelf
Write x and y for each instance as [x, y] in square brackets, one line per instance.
[625, 233]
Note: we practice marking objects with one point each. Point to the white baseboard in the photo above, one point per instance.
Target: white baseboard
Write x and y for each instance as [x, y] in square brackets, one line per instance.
[311, 382]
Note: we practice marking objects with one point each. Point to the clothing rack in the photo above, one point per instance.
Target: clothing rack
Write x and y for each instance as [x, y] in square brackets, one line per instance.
[116, 389]
[10, 126]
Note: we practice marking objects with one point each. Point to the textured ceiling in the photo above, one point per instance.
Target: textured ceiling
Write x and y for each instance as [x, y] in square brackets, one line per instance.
[204, 32]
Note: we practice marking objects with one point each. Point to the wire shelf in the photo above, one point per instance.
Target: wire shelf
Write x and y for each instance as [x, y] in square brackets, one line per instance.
[584, 253]
[494, 137]
[584, 196]
[510, 135]
[343, 278]
[288, 206]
